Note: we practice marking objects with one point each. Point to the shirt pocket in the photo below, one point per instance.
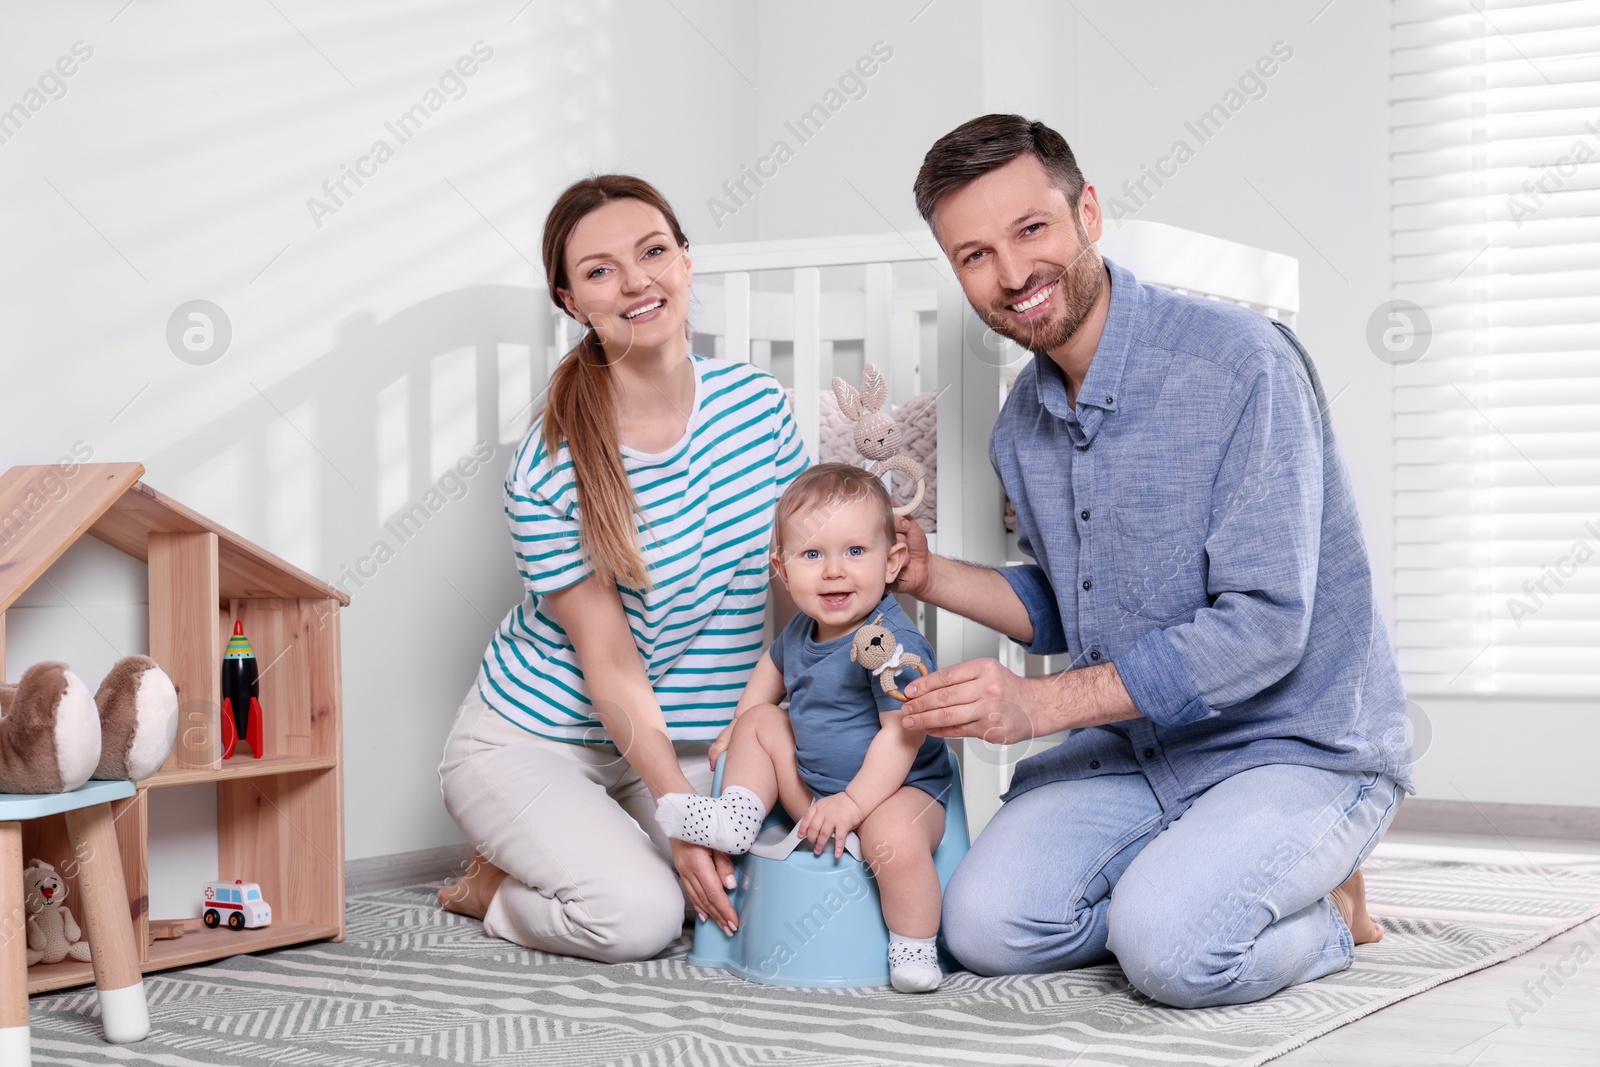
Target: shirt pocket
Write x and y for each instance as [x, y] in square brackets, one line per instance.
[1161, 573]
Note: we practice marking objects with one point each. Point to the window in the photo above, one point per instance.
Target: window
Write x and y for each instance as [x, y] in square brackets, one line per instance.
[1495, 223]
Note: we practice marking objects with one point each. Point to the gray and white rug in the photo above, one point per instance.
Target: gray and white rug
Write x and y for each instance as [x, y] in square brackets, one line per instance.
[415, 985]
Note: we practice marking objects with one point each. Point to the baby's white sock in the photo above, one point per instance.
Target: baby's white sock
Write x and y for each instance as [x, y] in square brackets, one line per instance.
[913, 964]
[727, 823]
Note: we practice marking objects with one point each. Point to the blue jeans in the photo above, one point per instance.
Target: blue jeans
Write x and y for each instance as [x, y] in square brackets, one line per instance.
[1225, 904]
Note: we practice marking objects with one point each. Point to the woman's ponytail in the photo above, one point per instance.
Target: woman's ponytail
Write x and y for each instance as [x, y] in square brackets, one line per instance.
[581, 410]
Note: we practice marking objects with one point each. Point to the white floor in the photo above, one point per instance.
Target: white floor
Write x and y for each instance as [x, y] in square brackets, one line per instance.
[1471, 1021]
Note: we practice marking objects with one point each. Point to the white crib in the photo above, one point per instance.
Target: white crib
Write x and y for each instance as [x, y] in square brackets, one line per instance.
[809, 309]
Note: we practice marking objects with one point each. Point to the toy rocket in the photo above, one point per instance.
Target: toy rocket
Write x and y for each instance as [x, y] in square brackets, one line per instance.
[241, 690]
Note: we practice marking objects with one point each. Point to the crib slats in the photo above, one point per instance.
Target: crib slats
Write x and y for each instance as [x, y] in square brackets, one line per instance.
[905, 348]
[736, 331]
[561, 342]
[879, 324]
[970, 524]
[808, 355]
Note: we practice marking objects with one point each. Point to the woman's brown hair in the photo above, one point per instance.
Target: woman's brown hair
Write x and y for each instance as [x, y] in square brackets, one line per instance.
[580, 407]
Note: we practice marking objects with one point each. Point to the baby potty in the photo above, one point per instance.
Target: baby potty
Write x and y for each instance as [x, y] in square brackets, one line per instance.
[811, 920]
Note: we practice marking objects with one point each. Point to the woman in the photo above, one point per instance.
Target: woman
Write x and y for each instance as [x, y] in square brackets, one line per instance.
[640, 505]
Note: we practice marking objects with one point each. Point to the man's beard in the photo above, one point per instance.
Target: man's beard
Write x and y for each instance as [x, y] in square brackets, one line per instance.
[1079, 288]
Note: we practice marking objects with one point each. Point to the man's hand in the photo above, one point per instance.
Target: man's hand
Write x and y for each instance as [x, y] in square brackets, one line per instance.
[978, 698]
[913, 577]
[833, 817]
[707, 875]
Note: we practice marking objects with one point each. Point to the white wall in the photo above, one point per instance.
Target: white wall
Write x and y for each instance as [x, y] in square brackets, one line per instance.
[374, 350]
[370, 353]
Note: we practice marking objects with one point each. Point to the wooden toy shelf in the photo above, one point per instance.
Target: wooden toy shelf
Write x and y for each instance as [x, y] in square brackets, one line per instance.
[280, 819]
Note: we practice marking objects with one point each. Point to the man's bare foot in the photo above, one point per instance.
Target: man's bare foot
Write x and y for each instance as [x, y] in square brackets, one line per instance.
[1351, 900]
[470, 894]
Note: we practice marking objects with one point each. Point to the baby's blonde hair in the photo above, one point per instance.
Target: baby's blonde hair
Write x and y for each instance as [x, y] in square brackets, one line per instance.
[824, 484]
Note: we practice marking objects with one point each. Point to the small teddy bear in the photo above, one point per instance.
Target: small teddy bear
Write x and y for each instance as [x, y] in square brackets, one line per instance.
[53, 934]
[875, 648]
[877, 435]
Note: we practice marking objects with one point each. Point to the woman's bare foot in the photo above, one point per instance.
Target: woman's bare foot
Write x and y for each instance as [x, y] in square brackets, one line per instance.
[470, 894]
[1351, 900]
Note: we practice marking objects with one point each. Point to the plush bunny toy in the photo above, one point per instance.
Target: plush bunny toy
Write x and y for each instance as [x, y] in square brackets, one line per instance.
[877, 436]
[53, 934]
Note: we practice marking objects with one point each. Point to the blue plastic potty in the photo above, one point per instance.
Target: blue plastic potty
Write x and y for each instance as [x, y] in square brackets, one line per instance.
[812, 920]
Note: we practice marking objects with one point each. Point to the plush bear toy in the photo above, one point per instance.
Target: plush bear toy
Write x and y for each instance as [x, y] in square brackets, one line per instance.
[53, 933]
[54, 736]
[875, 648]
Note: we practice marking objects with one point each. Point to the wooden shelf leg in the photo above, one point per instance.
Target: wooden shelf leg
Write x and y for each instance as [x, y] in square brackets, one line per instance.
[108, 925]
[15, 1050]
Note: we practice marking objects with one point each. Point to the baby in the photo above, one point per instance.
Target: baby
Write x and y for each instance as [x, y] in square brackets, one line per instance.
[839, 760]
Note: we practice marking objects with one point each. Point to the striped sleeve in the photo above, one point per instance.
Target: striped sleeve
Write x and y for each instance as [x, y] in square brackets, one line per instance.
[540, 508]
[792, 458]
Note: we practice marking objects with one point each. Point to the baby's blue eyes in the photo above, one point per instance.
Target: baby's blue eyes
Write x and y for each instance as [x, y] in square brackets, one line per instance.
[816, 553]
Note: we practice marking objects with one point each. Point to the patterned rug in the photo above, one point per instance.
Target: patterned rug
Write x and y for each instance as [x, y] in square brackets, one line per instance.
[414, 985]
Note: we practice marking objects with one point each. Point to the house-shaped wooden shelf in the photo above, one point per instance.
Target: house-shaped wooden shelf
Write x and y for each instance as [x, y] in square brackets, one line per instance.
[280, 818]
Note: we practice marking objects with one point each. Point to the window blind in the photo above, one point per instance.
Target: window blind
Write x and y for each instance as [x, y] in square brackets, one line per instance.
[1495, 228]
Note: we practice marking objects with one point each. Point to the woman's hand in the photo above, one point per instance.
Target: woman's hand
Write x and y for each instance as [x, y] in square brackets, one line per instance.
[719, 746]
[707, 875]
[913, 577]
[833, 817]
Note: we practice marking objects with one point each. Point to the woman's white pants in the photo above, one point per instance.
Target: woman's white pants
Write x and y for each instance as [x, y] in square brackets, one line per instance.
[573, 826]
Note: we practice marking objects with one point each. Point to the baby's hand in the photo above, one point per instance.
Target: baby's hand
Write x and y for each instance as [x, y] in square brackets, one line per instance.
[833, 817]
[720, 745]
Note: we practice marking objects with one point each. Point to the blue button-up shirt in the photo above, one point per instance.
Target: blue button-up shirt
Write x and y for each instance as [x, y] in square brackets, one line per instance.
[1193, 523]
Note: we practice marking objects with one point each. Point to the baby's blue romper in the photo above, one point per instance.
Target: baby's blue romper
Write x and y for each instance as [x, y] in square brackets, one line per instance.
[834, 704]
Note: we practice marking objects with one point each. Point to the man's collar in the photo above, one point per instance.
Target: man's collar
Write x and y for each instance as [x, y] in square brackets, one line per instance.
[1103, 383]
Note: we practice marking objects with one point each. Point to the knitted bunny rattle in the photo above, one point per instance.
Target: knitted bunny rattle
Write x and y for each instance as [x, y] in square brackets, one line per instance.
[877, 436]
[875, 648]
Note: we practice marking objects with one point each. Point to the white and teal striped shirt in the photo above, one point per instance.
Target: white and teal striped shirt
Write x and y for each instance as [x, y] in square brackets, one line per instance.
[708, 504]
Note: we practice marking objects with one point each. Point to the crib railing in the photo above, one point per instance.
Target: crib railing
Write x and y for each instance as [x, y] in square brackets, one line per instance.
[1202, 265]
[862, 305]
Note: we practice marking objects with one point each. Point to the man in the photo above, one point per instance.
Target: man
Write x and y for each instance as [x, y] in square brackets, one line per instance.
[1238, 739]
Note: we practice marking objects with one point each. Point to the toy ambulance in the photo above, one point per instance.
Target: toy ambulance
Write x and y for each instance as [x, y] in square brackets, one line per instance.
[239, 904]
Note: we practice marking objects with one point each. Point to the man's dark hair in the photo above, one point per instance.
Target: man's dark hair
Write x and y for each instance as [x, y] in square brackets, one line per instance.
[987, 143]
